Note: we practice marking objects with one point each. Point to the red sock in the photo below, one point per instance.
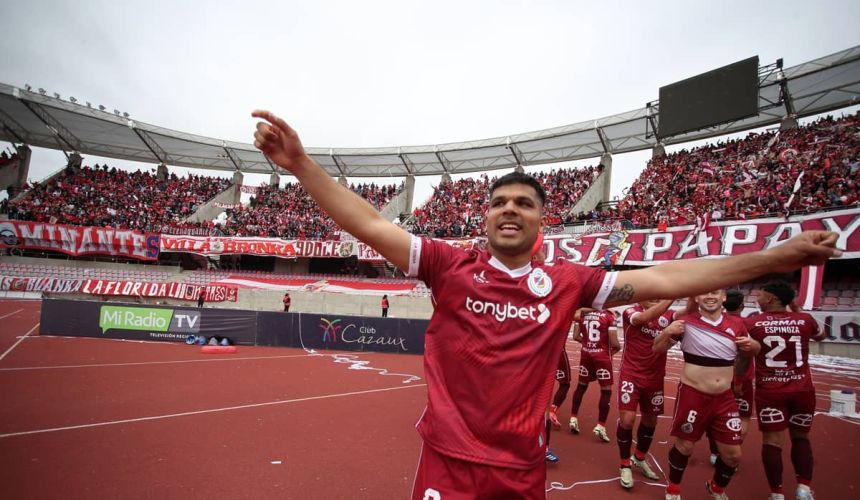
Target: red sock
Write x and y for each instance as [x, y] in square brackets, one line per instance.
[716, 488]
[673, 488]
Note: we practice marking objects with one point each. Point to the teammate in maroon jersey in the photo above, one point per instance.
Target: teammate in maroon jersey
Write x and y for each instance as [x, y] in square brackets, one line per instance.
[785, 396]
[640, 385]
[500, 321]
[596, 332]
[710, 341]
[742, 385]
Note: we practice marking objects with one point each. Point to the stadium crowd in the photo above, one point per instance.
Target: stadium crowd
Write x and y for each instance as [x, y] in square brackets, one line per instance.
[748, 178]
[457, 208]
[291, 213]
[103, 196]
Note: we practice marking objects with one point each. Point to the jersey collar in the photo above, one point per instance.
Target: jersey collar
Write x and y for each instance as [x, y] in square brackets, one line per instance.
[513, 273]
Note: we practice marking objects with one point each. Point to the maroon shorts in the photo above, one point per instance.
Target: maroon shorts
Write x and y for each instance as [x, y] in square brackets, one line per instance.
[440, 477]
[778, 411]
[633, 393]
[591, 369]
[562, 373]
[697, 412]
[746, 400]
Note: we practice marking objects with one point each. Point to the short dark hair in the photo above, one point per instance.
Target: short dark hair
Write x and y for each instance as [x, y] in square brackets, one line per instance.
[781, 290]
[520, 178]
[734, 301]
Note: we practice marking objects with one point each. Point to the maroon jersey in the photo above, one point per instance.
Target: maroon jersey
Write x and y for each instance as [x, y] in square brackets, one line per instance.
[491, 349]
[594, 328]
[782, 364]
[639, 361]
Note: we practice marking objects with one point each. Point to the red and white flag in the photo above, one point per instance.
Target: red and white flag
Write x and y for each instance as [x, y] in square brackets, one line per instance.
[810, 287]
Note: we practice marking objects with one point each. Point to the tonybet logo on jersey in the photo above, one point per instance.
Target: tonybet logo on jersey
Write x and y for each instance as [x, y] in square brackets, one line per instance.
[504, 311]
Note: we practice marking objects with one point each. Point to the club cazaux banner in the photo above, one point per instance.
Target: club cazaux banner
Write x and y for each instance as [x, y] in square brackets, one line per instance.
[270, 247]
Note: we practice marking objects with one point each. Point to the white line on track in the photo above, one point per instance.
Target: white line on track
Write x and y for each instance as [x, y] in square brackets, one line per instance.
[144, 363]
[213, 410]
[19, 341]
[11, 313]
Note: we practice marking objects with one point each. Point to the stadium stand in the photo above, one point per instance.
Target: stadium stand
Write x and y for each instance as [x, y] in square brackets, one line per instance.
[291, 213]
[456, 208]
[748, 178]
[103, 196]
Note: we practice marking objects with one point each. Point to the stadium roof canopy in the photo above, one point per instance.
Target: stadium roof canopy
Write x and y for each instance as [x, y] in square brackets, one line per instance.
[36, 119]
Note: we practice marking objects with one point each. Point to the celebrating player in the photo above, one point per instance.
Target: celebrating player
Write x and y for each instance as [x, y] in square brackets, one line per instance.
[711, 341]
[500, 320]
[640, 385]
[599, 341]
[785, 396]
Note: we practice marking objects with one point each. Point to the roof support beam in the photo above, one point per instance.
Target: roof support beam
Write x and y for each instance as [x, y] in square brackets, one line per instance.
[407, 163]
[150, 144]
[446, 165]
[58, 129]
[233, 158]
[341, 167]
[518, 155]
[607, 146]
[13, 128]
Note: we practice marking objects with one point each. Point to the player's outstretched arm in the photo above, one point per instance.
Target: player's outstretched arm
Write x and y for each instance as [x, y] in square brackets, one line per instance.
[281, 144]
[694, 277]
[651, 313]
[668, 337]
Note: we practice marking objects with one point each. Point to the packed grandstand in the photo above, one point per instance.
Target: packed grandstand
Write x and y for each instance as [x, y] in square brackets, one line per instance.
[88, 228]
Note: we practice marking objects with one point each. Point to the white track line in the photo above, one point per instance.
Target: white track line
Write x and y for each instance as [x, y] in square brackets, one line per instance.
[213, 410]
[143, 363]
[11, 313]
[19, 341]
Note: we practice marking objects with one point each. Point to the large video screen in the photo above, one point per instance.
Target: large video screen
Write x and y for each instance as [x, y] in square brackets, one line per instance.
[718, 96]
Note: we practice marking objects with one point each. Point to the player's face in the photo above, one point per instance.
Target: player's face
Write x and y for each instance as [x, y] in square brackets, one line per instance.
[764, 299]
[514, 219]
[711, 302]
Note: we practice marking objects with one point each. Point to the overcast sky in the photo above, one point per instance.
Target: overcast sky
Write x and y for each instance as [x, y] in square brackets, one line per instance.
[394, 73]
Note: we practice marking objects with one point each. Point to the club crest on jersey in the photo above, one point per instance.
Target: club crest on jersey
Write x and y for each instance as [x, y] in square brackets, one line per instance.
[663, 321]
[539, 282]
[625, 398]
[687, 428]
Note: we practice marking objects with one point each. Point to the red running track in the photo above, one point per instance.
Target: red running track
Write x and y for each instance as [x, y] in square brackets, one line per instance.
[95, 418]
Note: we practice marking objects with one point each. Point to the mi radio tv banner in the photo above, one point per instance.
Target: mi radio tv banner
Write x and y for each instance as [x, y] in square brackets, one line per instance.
[79, 318]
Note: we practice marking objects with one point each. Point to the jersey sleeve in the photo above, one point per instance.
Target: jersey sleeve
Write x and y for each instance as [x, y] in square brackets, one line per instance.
[596, 285]
[814, 329]
[749, 326]
[427, 258]
[628, 314]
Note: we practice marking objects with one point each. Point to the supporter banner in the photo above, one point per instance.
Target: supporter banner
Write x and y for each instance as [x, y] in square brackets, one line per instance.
[325, 285]
[248, 189]
[81, 318]
[78, 240]
[271, 247]
[173, 290]
[222, 245]
[187, 231]
[646, 247]
[218, 204]
[53, 285]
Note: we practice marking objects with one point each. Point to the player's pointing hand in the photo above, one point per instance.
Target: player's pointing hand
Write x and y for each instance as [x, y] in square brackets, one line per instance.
[278, 141]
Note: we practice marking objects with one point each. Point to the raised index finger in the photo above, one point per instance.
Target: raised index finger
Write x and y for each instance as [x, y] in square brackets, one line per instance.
[271, 118]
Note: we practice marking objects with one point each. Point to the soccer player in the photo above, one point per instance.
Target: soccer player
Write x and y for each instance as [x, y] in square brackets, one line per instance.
[742, 385]
[596, 332]
[640, 385]
[710, 341]
[785, 396]
[500, 321]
